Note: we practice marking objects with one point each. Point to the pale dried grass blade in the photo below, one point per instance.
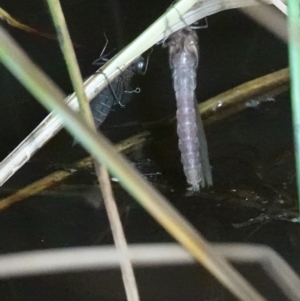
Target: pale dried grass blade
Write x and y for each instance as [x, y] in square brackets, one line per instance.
[280, 5]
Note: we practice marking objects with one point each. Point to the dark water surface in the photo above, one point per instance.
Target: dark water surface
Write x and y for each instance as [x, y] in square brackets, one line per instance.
[251, 154]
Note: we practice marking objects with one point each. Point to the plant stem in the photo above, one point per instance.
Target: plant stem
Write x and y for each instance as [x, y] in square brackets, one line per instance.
[294, 59]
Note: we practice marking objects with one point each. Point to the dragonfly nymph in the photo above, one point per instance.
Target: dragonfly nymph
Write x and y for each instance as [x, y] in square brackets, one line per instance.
[116, 92]
[184, 57]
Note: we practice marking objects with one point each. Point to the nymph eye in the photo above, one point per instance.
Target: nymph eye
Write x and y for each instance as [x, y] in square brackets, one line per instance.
[140, 65]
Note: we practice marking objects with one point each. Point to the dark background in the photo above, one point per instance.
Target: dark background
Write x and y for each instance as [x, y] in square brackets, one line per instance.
[244, 151]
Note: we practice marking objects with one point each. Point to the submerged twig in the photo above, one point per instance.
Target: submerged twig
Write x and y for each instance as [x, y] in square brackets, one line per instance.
[58, 176]
[233, 101]
[51, 97]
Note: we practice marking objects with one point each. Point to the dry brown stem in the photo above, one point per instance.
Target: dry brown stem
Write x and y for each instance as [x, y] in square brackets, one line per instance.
[237, 96]
[6, 17]
[118, 235]
[60, 175]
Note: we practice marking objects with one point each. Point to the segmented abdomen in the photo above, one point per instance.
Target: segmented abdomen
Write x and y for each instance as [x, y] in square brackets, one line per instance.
[115, 92]
[183, 50]
[101, 106]
[187, 130]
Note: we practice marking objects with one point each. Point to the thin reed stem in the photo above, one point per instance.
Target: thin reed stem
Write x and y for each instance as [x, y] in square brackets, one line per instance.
[103, 176]
[118, 236]
[294, 59]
